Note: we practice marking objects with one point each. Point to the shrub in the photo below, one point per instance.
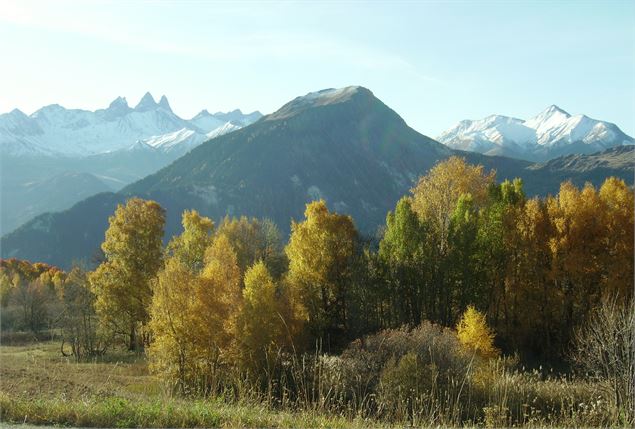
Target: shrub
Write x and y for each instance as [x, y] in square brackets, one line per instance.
[475, 335]
[605, 347]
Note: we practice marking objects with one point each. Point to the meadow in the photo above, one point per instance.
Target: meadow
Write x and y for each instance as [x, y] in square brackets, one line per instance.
[477, 307]
[39, 386]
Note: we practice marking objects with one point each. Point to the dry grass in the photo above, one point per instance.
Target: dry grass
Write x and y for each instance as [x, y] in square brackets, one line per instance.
[39, 386]
[40, 371]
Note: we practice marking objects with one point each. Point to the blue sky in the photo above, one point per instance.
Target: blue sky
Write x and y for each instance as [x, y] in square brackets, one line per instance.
[434, 63]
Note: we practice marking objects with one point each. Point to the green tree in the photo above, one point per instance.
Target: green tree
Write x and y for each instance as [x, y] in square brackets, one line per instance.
[434, 200]
[405, 252]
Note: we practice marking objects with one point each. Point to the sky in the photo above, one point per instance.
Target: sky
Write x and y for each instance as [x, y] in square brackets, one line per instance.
[434, 63]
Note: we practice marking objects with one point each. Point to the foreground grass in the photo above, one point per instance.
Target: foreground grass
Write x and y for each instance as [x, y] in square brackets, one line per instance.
[116, 411]
[38, 386]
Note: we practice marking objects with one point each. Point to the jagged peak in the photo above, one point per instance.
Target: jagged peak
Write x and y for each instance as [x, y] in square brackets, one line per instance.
[147, 102]
[202, 114]
[118, 102]
[553, 109]
[163, 102]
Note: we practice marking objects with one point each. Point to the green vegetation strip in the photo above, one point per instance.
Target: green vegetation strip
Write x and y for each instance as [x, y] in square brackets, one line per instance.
[124, 413]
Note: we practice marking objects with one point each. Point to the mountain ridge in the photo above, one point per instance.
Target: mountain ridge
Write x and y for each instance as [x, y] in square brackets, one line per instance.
[53, 130]
[550, 134]
[116, 145]
[357, 154]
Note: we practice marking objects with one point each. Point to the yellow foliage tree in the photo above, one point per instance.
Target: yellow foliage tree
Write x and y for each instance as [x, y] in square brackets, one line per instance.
[475, 335]
[436, 195]
[618, 203]
[578, 249]
[320, 252]
[254, 240]
[263, 325]
[190, 246]
[217, 300]
[133, 252]
[172, 353]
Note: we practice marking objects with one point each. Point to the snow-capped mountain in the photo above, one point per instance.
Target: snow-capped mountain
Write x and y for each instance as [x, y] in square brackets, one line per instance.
[54, 130]
[84, 152]
[181, 141]
[551, 133]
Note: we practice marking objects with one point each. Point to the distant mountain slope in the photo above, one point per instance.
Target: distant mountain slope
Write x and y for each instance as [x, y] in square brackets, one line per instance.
[550, 134]
[40, 196]
[618, 161]
[344, 145]
[116, 146]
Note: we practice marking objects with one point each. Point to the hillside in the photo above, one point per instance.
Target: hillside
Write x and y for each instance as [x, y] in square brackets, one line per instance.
[345, 146]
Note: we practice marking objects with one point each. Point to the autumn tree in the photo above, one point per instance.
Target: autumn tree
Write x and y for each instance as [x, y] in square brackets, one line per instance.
[577, 250]
[265, 323]
[526, 307]
[172, 353]
[475, 335]
[189, 247]
[133, 253]
[29, 294]
[436, 194]
[434, 200]
[617, 199]
[31, 297]
[321, 251]
[5, 288]
[217, 300]
[254, 240]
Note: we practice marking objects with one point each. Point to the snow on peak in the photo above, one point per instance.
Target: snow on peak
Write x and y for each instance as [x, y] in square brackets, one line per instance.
[552, 128]
[226, 128]
[170, 140]
[550, 118]
[316, 99]
[54, 130]
[553, 109]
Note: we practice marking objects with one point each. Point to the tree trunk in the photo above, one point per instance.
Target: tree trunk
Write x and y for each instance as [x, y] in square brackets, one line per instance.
[132, 344]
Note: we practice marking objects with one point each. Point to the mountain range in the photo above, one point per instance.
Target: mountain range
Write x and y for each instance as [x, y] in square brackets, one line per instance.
[550, 134]
[342, 145]
[86, 152]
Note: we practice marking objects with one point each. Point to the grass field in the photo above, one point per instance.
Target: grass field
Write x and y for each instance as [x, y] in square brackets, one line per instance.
[38, 386]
